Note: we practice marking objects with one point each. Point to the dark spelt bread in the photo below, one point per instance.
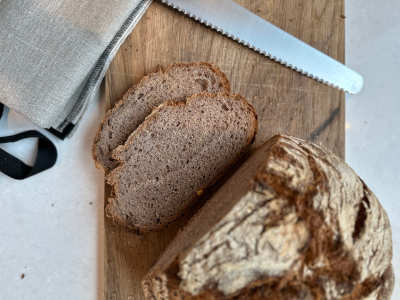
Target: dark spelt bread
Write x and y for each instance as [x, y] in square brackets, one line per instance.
[178, 82]
[294, 222]
[179, 150]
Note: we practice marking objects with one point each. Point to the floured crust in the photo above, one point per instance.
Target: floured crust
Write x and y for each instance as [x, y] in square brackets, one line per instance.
[159, 287]
[114, 109]
[348, 255]
[117, 154]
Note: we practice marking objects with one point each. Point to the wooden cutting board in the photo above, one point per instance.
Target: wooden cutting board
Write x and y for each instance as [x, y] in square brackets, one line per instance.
[285, 101]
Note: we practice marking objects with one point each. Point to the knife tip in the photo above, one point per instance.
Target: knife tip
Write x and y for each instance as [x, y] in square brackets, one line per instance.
[357, 85]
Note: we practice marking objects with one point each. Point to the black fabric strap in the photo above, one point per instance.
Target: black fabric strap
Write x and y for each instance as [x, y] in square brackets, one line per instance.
[15, 168]
[62, 135]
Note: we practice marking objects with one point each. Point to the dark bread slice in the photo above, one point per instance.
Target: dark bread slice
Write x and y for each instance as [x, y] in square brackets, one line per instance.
[179, 150]
[294, 222]
[178, 82]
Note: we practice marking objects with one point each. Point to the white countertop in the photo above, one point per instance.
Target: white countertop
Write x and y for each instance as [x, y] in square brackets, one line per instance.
[50, 224]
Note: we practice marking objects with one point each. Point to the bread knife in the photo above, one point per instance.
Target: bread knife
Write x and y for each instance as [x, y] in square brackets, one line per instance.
[241, 25]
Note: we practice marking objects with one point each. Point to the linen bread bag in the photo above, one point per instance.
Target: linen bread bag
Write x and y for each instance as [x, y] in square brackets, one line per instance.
[53, 56]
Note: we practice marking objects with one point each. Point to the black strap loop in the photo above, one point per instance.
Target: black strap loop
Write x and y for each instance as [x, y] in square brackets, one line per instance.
[15, 168]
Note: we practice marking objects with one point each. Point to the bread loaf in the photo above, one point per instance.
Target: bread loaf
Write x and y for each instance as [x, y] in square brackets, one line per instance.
[178, 82]
[294, 222]
[178, 151]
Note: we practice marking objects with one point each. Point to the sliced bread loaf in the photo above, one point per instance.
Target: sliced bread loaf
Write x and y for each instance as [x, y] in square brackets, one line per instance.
[180, 149]
[294, 222]
[178, 82]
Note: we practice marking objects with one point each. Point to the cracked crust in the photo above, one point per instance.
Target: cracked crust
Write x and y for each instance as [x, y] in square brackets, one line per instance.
[342, 251]
[102, 141]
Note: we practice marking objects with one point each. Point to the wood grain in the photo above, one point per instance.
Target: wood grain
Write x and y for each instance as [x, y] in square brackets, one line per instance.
[285, 101]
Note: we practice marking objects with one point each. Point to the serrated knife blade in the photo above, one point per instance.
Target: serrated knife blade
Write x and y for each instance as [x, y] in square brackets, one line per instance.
[241, 25]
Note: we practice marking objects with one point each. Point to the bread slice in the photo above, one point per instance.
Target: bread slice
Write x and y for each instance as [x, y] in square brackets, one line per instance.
[294, 222]
[178, 151]
[178, 82]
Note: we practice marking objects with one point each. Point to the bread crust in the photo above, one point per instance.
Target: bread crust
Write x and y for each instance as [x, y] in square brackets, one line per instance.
[112, 110]
[350, 231]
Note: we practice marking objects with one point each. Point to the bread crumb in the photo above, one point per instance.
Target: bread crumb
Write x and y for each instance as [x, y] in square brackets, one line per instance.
[90, 203]
[22, 276]
[200, 192]
[52, 205]
[343, 16]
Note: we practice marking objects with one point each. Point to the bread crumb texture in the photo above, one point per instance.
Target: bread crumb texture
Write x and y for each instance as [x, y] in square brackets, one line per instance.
[308, 228]
[177, 82]
[180, 150]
